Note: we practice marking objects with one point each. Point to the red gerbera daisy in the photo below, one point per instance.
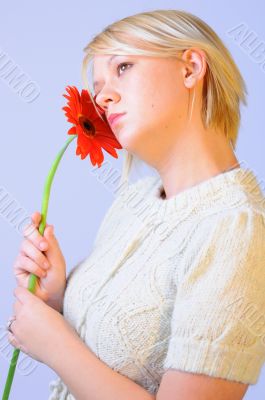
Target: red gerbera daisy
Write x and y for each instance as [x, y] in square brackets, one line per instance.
[93, 132]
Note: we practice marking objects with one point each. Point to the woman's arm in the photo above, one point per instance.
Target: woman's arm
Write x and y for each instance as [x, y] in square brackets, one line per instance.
[87, 377]
[181, 385]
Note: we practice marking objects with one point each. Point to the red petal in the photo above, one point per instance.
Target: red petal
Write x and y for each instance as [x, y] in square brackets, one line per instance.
[104, 137]
[72, 131]
[108, 148]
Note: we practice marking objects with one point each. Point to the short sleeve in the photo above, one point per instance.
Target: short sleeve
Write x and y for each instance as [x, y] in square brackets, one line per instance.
[217, 325]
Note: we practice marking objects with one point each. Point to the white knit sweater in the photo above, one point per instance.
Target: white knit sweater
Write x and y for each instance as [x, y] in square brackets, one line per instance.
[175, 283]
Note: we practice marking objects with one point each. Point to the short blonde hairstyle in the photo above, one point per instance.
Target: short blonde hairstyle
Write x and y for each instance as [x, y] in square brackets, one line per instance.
[167, 33]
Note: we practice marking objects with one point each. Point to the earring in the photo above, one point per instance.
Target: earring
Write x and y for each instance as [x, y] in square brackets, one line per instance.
[231, 144]
[192, 103]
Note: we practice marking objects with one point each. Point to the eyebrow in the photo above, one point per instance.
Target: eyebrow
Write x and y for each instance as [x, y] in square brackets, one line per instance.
[96, 83]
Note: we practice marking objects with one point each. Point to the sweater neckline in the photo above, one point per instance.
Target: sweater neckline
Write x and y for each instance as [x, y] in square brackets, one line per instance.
[227, 188]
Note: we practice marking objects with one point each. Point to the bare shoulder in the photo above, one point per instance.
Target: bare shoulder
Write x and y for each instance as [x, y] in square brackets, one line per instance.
[179, 385]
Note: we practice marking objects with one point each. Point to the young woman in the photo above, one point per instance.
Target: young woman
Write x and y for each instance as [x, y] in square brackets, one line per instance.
[170, 302]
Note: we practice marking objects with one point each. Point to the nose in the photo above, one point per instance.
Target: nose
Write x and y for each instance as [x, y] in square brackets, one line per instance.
[105, 97]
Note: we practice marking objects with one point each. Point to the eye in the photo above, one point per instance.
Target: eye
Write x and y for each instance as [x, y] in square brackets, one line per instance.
[118, 68]
[123, 64]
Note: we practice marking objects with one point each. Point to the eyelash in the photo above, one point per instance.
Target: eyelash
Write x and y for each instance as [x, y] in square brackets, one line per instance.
[124, 63]
[118, 66]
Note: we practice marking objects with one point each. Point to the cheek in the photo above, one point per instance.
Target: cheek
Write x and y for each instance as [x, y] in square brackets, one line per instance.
[150, 109]
[158, 107]
[155, 103]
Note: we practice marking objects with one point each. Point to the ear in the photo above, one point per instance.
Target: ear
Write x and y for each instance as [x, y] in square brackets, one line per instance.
[195, 66]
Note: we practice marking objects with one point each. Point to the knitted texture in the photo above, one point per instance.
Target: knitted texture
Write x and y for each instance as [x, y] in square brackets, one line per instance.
[175, 283]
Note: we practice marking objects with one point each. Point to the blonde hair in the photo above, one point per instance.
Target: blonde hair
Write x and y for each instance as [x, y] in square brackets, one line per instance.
[167, 33]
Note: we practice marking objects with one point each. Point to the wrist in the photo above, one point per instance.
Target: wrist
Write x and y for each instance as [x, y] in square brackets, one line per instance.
[64, 345]
[56, 302]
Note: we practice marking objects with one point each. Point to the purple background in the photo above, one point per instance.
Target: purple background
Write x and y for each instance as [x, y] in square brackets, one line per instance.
[45, 41]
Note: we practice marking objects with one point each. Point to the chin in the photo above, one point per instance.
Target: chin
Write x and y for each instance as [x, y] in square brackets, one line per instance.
[127, 139]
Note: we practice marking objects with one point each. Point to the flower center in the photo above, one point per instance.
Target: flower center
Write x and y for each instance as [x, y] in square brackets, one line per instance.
[87, 125]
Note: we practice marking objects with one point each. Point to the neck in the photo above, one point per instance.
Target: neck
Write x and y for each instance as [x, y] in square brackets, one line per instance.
[187, 165]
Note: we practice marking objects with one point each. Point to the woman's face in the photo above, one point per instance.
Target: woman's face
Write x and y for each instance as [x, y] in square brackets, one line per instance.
[151, 91]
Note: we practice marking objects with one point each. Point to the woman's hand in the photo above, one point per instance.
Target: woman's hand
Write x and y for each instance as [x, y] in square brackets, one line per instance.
[47, 263]
[38, 328]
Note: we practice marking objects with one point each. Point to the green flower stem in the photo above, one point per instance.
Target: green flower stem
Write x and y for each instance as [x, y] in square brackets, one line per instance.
[33, 278]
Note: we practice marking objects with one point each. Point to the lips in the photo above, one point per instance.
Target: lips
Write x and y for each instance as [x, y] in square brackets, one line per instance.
[114, 117]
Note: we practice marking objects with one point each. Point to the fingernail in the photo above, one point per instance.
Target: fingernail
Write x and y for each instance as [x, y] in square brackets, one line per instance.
[43, 245]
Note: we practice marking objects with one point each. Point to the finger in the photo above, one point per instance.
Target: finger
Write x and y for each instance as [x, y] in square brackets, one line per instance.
[16, 308]
[24, 263]
[36, 217]
[54, 251]
[12, 340]
[24, 295]
[28, 249]
[15, 343]
[28, 229]
[32, 233]
[49, 232]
